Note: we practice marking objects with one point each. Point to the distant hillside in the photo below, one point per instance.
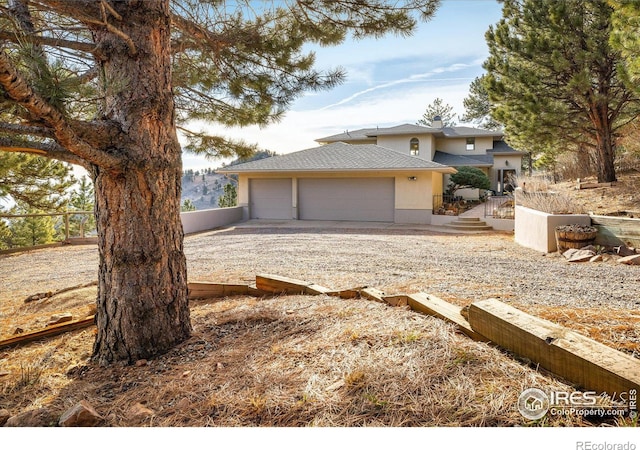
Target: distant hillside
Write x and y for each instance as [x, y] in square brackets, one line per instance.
[203, 187]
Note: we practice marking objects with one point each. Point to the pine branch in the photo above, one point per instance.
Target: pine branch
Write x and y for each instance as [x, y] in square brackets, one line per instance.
[13, 128]
[50, 150]
[21, 93]
[87, 47]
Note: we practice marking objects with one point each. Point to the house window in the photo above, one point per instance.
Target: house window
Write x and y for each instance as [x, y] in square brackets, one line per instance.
[414, 147]
[471, 144]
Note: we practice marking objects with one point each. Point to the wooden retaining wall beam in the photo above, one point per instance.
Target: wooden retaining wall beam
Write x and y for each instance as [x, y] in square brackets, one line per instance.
[284, 285]
[373, 294]
[615, 231]
[434, 306]
[576, 358]
[203, 289]
[47, 332]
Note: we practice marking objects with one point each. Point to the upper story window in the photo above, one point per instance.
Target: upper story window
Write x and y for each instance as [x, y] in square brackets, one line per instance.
[414, 147]
[471, 144]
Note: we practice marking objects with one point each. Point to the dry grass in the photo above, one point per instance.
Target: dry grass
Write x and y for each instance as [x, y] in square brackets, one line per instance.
[288, 361]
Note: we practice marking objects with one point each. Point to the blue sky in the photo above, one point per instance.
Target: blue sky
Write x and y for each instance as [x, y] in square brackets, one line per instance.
[389, 80]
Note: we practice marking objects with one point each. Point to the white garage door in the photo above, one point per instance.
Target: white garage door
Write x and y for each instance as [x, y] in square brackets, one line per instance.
[270, 198]
[361, 199]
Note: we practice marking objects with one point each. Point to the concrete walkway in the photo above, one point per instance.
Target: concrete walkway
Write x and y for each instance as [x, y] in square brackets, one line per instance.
[345, 225]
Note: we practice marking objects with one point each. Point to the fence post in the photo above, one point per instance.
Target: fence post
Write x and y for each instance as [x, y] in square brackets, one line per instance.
[66, 225]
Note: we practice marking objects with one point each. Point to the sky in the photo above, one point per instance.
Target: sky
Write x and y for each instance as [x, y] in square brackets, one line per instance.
[389, 81]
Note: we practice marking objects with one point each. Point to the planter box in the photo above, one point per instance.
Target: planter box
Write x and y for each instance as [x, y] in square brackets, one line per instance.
[536, 229]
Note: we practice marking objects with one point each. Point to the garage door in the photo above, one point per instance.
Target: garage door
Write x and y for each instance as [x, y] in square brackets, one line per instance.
[362, 199]
[270, 198]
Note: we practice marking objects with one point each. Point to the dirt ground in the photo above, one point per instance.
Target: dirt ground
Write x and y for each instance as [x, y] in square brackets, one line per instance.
[316, 361]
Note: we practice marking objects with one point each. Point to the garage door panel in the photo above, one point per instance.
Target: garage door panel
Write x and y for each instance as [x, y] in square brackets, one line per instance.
[270, 198]
[358, 199]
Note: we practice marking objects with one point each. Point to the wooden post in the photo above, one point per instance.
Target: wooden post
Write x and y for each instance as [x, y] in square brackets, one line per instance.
[576, 358]
[434, 306]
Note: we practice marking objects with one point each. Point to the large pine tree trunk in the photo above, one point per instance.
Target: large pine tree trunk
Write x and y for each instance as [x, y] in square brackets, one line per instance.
[142, 306]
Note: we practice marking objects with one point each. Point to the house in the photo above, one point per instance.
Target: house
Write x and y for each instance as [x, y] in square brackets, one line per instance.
[373, 174]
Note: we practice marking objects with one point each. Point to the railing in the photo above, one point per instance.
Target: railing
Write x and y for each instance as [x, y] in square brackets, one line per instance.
[31, 230]
[447, 205]
[500, 207]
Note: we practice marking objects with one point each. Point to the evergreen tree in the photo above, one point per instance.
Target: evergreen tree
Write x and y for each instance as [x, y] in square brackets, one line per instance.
[188, 205]
[107, 85]
[32, 181]
[625, 37]
[30, 231]
[438, 109]
[477, 106]
[553, 78]
[468, 178]
[82, 200]
[230, 196]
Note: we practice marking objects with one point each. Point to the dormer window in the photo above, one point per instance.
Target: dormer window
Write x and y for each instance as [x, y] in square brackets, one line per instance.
[471, 144]
[414, 147]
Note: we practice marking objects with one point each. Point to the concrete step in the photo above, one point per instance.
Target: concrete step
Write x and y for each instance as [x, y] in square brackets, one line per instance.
[469, 224]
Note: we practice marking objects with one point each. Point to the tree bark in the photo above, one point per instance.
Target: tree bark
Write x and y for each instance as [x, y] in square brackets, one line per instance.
[142, 306]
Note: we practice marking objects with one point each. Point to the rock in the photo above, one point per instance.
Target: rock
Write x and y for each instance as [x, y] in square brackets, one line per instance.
[569, 253]
[34, 418]
[581, 256]
[139, 411]
[82, 414]
[4, 416]
[623, 250]
[141, 362]
[631, 260]
[596, 258]
[590, 248]
[60, 318]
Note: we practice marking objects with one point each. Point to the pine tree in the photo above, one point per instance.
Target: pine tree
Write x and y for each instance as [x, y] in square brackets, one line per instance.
[32, 181]
[438, 109]
[477, 106]
[230, 196]
[107, 85]
[553, 78]
[81, 199]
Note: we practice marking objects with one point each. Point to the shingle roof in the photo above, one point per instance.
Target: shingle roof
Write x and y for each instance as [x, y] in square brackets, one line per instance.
[404, 129]
[448, 159]
[501, 147]
[338, 156]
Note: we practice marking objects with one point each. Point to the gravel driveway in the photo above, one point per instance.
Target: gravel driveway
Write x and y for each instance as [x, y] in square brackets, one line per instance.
[459, 268]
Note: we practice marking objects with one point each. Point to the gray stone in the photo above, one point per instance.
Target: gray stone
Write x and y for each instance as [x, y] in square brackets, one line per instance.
[82, 414]
[570, 252]
[631, 260]
[35, 418]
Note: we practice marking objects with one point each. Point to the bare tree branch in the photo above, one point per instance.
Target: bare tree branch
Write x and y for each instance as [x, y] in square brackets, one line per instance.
[13, 128]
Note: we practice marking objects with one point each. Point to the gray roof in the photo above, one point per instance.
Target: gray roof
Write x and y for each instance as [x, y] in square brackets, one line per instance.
[405, 129]
[501, 147]
[448, 159]
[338, 156]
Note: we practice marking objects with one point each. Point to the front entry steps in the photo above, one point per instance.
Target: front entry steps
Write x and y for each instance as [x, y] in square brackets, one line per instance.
[469, 224]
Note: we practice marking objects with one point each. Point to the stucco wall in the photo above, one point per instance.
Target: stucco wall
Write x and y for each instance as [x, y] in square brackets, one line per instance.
[536, 229]
[208, 219]
[458, 146]
[401, 144]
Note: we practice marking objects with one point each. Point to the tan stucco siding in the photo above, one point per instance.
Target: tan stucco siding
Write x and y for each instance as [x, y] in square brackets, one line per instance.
[415, 194]
[401, 144]
[458, 146]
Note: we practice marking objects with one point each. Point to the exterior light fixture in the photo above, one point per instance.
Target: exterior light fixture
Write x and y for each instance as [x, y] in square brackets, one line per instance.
[413, 178]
